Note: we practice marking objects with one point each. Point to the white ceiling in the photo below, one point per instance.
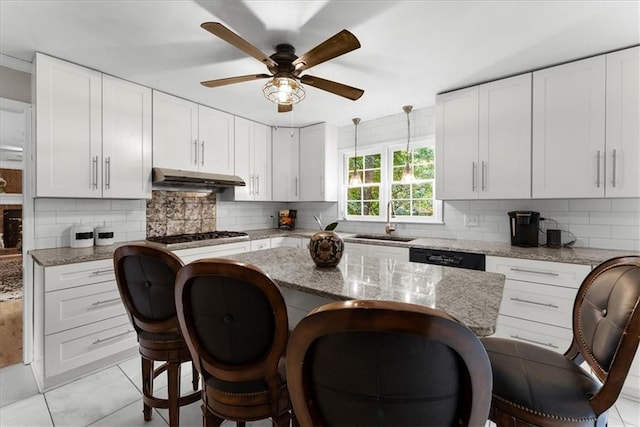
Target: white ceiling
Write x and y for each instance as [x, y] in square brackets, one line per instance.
[411, 50]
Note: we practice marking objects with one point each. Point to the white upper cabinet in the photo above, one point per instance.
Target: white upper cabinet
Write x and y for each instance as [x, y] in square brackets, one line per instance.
[93, 133]
[216, 134]
[68, 137]
[569, 130]
[483, 141]
[126, 140]
[286, 161]
[175, 132]
[319, 163]
[252, 161]
[622, 155]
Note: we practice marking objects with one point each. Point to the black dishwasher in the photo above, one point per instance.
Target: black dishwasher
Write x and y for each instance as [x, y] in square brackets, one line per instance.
[467, 260]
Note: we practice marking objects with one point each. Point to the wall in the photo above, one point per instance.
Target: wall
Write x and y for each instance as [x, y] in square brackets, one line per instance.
[15, 84]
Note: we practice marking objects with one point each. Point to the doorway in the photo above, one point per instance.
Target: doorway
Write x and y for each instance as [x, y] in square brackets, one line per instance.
[15, 122]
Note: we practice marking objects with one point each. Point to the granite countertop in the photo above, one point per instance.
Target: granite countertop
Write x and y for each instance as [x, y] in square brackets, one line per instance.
[473, 297]
[60, 256]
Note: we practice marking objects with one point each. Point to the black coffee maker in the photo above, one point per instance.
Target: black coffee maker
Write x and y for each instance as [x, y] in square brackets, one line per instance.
[524, 228]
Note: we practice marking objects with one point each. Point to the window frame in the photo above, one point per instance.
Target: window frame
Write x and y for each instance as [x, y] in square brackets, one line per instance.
[386, 178]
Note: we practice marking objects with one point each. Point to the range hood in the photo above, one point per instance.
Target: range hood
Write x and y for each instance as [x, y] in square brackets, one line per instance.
[181, 180]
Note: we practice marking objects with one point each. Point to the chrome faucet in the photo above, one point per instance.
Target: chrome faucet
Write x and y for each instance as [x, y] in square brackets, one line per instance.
[388, 228]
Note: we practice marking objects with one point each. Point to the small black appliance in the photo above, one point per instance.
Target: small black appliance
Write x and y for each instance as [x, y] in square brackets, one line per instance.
[524, 228]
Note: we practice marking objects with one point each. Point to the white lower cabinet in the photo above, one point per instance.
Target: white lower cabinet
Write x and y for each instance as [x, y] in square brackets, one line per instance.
[299, 304]
[537, 302]
[80, 323]
[192, 254]
[376, 251]
[291, 242]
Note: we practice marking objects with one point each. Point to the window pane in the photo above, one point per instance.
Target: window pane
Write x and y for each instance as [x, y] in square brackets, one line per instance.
[372, 161]
[402, 207]
[423, 208]
[422, 191]
[399, 158]
[372, 176]
[371, 208]
[354, 193]
[371, 193]
[401, 191]
[354, 208]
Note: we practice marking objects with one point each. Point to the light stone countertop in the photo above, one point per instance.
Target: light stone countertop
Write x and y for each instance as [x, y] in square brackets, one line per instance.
[587, 256]
[473, 297]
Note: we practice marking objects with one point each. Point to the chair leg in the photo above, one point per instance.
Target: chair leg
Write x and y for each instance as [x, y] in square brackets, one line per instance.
[173, 390]
[209, 419]
[147, 386]
[282, 420]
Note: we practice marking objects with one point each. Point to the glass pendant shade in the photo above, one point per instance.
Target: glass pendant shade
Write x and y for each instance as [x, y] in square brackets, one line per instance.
[283, 91]
[407, 173]
[355, 178]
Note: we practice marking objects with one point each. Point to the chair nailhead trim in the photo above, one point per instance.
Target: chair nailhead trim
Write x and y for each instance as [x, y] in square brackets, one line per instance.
[555, 417]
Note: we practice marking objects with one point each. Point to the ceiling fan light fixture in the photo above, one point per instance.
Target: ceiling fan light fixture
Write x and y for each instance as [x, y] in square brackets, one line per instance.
[284, 91]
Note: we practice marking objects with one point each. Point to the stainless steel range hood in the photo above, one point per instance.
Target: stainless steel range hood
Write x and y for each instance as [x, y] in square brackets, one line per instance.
[181, 180]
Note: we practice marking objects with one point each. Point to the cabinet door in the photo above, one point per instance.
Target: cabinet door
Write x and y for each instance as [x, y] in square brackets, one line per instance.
[261, 153]
[216, 134]
[568, 130]
[623, 124]
[318, 163]
[286, 152]
[243, 166]
[457, 145]
[175, 132]
[68, 129]
[504, 162]
[126, 140]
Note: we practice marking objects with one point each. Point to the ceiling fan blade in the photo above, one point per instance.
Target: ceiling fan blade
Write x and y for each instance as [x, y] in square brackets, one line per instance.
[334, 46]
[333, 87]
[219, 30]
[284, 108]
[231, 80]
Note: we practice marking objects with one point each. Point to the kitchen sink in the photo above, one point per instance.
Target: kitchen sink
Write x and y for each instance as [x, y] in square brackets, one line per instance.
[384, 237]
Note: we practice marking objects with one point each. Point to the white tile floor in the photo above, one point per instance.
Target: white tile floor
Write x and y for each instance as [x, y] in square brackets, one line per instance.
[112, 397]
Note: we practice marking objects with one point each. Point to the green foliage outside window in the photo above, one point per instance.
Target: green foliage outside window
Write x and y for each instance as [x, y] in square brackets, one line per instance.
[416, 198]
[364, 199]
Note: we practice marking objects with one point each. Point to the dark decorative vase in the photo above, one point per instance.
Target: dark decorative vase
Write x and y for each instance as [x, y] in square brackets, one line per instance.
[326, 249]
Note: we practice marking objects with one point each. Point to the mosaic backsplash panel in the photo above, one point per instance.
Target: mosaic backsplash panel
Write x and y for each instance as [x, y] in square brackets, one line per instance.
[177, 212]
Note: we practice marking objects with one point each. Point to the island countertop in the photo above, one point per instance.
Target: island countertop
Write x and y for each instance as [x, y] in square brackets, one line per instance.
[473, 297]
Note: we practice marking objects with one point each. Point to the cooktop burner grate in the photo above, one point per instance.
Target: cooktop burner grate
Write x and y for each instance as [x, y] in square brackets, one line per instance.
[185, 238]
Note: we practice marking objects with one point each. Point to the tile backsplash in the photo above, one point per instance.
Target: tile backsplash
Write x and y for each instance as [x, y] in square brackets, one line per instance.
[171, 213]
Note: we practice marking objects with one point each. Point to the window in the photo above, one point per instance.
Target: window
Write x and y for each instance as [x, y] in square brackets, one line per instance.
[380, 170]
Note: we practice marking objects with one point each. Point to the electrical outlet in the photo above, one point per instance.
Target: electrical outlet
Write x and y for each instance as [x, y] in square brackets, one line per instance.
[471, 220]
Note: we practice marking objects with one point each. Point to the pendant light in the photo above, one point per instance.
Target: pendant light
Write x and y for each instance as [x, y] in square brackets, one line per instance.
[355, 178]
[407, 173]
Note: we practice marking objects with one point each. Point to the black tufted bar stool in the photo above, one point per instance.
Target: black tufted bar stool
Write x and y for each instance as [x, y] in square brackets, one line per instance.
[535, 386]
[235, 322]
[384, 363]
[146, 280]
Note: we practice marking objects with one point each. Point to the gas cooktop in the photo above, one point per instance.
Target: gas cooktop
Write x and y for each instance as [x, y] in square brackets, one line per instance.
[185, 238]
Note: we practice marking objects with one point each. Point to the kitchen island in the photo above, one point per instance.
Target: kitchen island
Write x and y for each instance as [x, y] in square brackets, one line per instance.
[473, 297]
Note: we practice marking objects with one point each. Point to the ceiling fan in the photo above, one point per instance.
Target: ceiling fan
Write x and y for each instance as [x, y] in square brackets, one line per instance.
[285, 88]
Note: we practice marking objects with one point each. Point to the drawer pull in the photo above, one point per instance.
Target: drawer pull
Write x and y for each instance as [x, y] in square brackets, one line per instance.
[517, 337]
[544, 304]
[101, 340]
[101, 272]
[108, 301]
[545, 273]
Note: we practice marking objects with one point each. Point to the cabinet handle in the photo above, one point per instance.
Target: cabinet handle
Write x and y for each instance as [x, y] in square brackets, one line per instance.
[195, 151]
[108, 301]
[545, 273]
[613, 159]
[94, 161]
[202, 149]
[484, 176]
[101, 272]
[473, 176]
[107, 163]
[322, 184]
[101, 340]
[251, 187]
[544, 304]
[598, 169]
[257, 184]
[296, 187]
[546, 344]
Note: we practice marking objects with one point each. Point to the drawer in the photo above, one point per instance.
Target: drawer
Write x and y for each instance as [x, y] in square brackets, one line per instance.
[549, 337]
[80, 346]
[293, 242]
[550, 273]
[192, 254]
[257, 245]
[70, 308]
[79, 274]
[541, 303]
